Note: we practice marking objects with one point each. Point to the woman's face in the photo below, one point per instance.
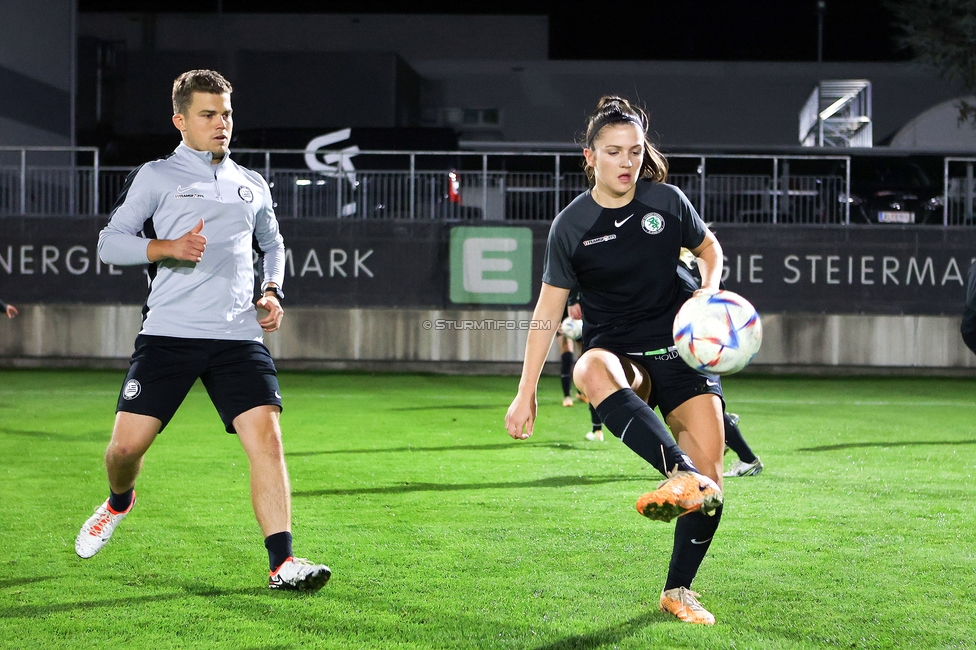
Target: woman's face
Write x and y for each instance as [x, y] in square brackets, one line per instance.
[616, 158]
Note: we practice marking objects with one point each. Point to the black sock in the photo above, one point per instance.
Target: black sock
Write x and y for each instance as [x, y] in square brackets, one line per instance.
[735, 441]
[566, 371]
[692, 537]
[595, 419]
[120, 502]
[629, 418]
[279, 548]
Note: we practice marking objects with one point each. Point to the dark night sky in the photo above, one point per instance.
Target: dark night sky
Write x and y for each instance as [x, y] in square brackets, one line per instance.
[690, 30]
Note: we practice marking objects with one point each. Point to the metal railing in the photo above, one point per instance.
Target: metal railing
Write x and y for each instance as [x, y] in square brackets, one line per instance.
[959, 191]
[49, 180]
[490, 186]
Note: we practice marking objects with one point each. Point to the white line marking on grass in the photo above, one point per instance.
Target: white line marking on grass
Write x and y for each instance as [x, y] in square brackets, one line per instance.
[802, 402]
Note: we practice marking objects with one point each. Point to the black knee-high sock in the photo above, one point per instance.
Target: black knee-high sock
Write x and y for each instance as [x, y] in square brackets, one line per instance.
[279, 548]
[630, 418]
[735, 441]
[595, 419]
[566, 371]
[692, 536]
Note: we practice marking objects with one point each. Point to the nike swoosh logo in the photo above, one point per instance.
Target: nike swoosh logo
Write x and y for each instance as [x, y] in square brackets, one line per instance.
[192, 186]
[704, 541]
[620, 223]
[709, 382]
[277, 395]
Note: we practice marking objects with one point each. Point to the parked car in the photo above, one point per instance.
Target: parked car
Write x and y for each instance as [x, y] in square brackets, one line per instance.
[893, 190]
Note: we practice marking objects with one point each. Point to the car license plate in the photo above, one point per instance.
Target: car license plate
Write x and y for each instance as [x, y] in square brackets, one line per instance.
[896, 217]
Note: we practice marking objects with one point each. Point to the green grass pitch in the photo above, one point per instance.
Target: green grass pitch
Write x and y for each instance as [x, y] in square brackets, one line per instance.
[442, 532]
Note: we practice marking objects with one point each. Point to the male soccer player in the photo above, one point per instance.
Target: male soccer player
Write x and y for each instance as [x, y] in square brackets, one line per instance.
[968, 326]
[192, 217]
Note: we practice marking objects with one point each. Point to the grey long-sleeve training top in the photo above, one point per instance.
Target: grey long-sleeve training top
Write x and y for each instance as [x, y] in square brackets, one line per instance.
[165, 199]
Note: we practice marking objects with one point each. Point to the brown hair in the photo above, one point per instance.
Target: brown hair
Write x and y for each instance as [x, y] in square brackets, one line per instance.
[201, 81]
[617, 110]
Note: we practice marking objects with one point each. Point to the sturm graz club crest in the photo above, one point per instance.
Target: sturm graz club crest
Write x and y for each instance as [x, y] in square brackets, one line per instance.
[132, 389]
[652, 223]
[245, 193]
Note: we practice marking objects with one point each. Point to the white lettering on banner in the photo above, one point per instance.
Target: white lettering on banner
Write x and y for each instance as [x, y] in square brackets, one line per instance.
[813, 266]
[289, 263]
[311, 264]
[889, 270]
[866, 270]
[754, 268]
[7, 264]
[956, 275]
[49, 255]
[84, 260]
[111, 267]
[476, 264]
[787, 262]
[337, 257]
[926, 270]
[832, 269]
[25, 259]
[359, 263]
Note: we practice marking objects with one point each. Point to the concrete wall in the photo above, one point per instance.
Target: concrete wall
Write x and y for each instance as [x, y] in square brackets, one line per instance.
[422, 340]
[36, 63]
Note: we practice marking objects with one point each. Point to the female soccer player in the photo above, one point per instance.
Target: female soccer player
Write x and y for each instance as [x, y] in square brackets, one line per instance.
[620, 241]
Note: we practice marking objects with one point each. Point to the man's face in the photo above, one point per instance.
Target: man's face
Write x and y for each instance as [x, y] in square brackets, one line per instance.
[207, 124]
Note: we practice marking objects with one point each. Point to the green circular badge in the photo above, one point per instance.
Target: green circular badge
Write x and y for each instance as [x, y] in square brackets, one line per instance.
[652, 223]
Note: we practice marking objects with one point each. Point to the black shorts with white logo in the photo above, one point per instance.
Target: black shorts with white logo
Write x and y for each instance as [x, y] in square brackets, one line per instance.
[238, 376]
[673, 382]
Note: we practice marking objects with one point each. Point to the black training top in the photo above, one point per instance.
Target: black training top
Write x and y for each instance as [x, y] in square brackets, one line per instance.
[624, 260]
[969, 311]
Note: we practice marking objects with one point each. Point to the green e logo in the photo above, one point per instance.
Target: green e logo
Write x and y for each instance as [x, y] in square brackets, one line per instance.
[491, 265]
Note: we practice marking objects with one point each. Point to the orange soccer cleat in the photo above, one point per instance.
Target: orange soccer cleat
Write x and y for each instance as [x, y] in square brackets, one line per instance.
[683, 604]
[682, 492]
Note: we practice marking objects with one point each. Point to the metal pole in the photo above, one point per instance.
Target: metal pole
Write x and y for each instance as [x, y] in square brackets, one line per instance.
[339, 187]
[775, 187]
[558, 183]
[484, 186]
[95, 174]
[945, 191]
[701, 188]
[267, 166]
[821, 10]
[969, 192]
[847, 192]
[23, 181]
[413, 185]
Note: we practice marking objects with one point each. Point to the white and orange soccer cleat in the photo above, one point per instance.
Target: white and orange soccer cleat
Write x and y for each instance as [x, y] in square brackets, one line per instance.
[682, 492]
[298, 574]
[567, 401]
[683, 604]
[99, 528]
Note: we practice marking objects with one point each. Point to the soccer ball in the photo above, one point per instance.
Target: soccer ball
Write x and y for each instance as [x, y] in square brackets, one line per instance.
[718, 333]
[572, 328]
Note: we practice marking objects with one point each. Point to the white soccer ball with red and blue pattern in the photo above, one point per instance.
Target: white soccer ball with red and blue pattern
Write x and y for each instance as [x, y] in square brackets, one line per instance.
[718, 333]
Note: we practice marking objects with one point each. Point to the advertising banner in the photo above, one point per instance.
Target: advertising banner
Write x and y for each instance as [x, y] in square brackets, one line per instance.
[438, 264]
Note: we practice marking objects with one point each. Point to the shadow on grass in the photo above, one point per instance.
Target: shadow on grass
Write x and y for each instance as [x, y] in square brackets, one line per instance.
[30, 611]
[551, 482]
[607, 636]
[17, 582]
[501, 446]
[450, 407]
[912, 443]
[88, 436]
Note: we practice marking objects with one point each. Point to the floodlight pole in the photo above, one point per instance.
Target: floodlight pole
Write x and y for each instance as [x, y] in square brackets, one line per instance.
[821, 10]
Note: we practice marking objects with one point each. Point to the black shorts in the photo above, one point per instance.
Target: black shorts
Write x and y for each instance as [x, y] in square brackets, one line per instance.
[238, 376]
[673, 382]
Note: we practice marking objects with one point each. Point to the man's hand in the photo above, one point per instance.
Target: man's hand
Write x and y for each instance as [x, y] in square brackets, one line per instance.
[273, 313]
[575, 311]
[11, 311]
[188, 248]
